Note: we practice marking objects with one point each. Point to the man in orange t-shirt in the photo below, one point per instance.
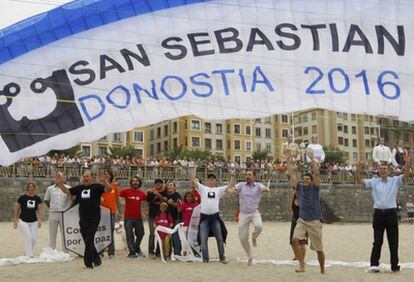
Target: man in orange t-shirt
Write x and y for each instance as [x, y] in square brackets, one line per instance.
[111, 201]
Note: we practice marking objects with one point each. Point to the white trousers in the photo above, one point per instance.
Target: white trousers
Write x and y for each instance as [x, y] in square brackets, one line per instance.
[55, 222]
[29, 230]
[244, 223]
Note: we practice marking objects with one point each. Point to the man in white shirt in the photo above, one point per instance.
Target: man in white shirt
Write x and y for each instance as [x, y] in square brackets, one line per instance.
[57, 202]
[397, 155]
[210, 217]
[293, 148]
[381, 153]
[317, 149]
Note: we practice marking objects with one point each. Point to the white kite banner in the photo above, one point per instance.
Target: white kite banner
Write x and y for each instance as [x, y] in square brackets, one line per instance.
[89, 68]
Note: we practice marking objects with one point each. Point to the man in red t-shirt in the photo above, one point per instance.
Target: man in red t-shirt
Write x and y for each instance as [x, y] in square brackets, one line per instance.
[134, 227]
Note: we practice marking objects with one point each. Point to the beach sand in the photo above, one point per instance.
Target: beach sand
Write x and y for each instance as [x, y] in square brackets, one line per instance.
[342, 242]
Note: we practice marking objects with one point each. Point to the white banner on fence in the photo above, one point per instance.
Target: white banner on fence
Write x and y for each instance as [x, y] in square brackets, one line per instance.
[215, 59]
[72, 235]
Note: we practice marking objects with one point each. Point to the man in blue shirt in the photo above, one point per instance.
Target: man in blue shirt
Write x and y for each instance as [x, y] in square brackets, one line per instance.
[310, 213]
[384, 195]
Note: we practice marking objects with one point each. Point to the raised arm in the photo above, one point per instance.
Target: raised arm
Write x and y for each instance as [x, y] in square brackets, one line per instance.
[291, 172]
[407, 167]
[315, 169]
[59, 183]
[193, 178]
[358, 177]
[107, 185]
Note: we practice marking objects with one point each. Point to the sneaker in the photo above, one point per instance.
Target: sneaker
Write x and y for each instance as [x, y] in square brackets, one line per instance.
[130, 255]
[97, 263]
[111, 256]
[141, 255]
[224, 261]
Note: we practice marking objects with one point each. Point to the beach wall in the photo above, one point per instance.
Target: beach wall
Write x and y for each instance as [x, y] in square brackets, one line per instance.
[340, 203]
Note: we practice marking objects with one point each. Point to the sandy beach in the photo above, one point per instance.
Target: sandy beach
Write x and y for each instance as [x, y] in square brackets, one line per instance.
[342, 242]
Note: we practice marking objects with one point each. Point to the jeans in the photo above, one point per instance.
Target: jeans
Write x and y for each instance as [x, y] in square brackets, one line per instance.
[176, 242]
[151, 238]
[88, 230]
[205, 227]
[388, 221]
[134, 240]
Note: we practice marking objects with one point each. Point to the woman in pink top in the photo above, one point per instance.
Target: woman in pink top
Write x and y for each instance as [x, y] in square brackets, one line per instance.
[187, 208]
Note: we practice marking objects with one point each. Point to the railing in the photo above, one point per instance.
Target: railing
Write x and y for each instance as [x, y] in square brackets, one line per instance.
[74, 172]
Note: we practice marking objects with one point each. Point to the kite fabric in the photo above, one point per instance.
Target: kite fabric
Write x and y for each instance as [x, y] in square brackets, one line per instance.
[88, 68]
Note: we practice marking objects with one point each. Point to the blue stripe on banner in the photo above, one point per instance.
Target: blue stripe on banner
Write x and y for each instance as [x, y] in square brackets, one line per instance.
[72, 18]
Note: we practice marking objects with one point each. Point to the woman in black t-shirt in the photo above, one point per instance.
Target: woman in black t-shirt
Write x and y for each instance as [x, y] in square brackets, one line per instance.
[293, 206]
[28, 216]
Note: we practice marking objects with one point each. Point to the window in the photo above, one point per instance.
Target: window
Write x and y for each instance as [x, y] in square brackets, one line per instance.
[268, 133]
[305, 131]
[236, 128]
[219, 144]
[285, 133]
[339, 127]
[248, 145]
[268, 120]
[313, 115]
[219, 128]
[345, 128]
[366, 130]
[340, 141]
[355, 156]
[165, 146]
[338, 115]
[158, 148]
[298, 119]
[258, 120]
[175, 142]
[258, 147]
[152, 149]
[207, 144]
[195, 125]
[102, 151]
[138, 136]
[86, 151]
[237, 145]
[268, 147]
[207, 127]
[284, 118]
[195, 142]
[354, 130]
[186, 142]
[258, 132]
[175, 127]
[367, 143]
[345, 116]
[117, 137]
[373, 131]
[237, 159]
[354, 143]
[353, 117]
[305, 117]
[314, 129]
[165, 130]
[158, 132]
[248, 130]
[372, 143]
[346, 142]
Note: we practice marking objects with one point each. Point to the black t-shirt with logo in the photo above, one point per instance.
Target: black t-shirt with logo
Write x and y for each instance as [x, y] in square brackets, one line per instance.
[154, 202]
[89, 199]
[28, 207]
[171, 209]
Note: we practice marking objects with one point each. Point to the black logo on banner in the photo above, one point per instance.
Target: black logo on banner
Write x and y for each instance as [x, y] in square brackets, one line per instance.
[26, 132]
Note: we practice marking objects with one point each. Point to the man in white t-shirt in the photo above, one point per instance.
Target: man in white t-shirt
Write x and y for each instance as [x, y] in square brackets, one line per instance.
[317, 150]
[57, 202]
[381, 153]
[210, 218]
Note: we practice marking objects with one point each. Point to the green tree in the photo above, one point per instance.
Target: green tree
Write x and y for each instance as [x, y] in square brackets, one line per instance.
[196, 154]
[123, 152]
[333, 155]
[71, 152]
[175, 153]
[259, 155]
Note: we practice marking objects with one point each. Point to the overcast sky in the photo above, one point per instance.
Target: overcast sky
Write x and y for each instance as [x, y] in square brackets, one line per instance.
[13, 11]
